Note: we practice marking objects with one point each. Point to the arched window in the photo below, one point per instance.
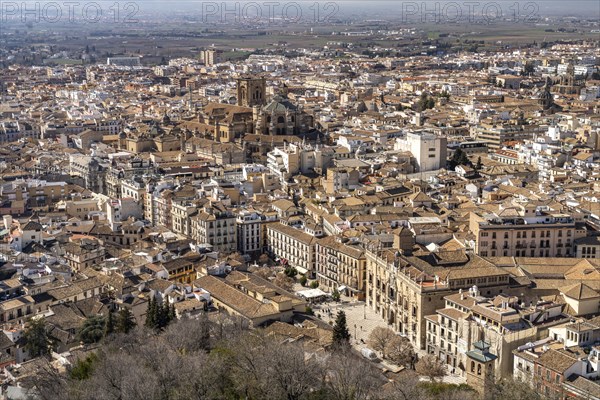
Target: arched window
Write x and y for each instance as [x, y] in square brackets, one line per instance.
[280, 119]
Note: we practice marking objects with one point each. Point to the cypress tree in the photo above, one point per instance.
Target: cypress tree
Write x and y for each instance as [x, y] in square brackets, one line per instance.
[151, 314]
[463, 159]
[160, 315]
[36, 338]
[125, 321]
[172, 313]
[163, 315]
[109, 324]
[341, 334]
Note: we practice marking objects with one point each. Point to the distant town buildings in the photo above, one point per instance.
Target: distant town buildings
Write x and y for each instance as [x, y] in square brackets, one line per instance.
[123, 61]
[452, 191]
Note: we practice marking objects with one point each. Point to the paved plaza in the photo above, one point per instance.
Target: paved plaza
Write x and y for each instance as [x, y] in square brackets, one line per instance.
[361, 321]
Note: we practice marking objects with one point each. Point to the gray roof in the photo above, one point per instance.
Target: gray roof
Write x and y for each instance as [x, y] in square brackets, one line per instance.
[280, 105]
[481, 352]
[481, 356]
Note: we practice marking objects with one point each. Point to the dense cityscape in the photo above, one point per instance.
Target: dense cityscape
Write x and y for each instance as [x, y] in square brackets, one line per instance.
[339, 204]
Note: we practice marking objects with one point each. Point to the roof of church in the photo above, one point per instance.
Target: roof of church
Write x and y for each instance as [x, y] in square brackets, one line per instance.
[280, 104]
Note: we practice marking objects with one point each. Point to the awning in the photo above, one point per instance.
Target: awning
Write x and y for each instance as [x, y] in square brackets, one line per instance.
[341, 288]
[301, 270]
[311, 293]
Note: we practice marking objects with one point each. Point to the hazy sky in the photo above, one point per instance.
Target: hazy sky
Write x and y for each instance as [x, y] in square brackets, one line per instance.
[562, 7]
[590, 8]
[356, 10]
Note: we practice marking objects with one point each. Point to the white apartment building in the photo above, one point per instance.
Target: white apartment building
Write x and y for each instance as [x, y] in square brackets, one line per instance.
[216, 226]
[297, 158]
[292, 246]
[181, 213]
[429, 150]
[249, 232]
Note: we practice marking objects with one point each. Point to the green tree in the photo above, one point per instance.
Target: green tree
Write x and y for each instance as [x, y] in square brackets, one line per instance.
[341, 334]
[459, 158]
[422, 103]
[314, 284]
[479, 164]
[303, 280]
[109, 325]
[125, 321]
[335, 295]
[464, 160]
[36, 338]
[83, 369]
[161, 315]
[151, 314]
[92, 329]
[172, 313]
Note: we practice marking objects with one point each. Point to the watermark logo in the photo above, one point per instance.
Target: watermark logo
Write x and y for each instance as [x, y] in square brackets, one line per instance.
[69, 12]
[268, 12]
[234, 12]
[469, 12]
[275, 12]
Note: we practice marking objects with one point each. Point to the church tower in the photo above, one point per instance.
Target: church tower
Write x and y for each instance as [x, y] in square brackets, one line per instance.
[480, 368]
[546, 99]
[251, 91]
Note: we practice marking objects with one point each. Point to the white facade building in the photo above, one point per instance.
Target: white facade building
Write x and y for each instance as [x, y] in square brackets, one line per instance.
[429, 150]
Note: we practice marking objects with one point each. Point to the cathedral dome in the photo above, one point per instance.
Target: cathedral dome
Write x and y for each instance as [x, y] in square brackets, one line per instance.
[279, 104]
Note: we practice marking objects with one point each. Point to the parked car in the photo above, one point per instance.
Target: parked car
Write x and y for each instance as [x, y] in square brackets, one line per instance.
[369, 354]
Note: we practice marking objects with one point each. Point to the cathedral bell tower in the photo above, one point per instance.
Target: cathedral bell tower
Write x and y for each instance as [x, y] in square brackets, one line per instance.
[251, 91]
